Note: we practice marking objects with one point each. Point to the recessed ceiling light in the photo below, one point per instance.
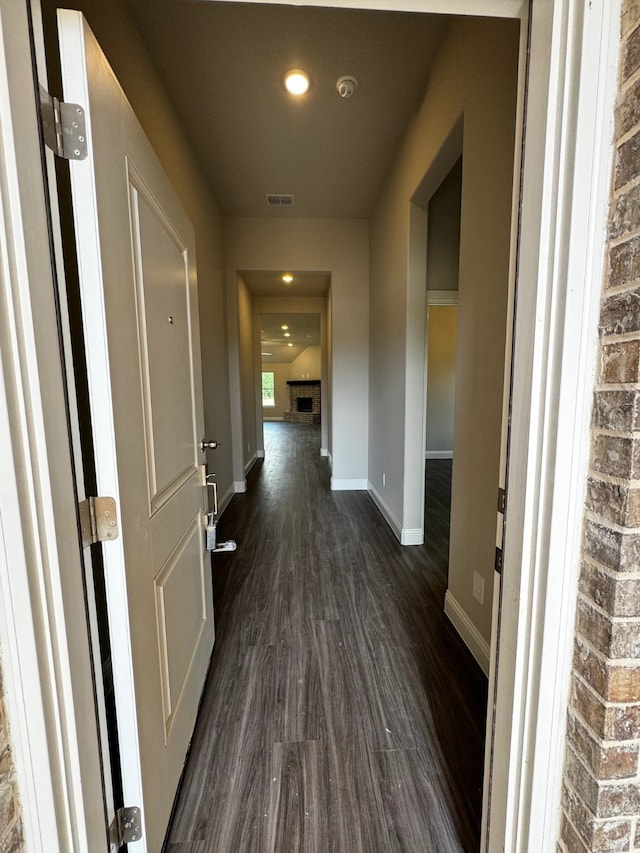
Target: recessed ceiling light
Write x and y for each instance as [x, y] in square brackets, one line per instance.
[297, 82]
[287, 278]
[289, 345]
[266, 353]
[287, 334]
[284, 328]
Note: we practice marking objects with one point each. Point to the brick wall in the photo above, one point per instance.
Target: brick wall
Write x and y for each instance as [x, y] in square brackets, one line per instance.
[11, 837]
[601, 797]
[304, 388]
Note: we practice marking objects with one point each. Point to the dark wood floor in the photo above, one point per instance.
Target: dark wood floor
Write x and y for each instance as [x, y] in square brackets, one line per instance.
[342, 714]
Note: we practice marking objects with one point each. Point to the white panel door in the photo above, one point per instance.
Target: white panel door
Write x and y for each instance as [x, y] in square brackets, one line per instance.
[136, 263]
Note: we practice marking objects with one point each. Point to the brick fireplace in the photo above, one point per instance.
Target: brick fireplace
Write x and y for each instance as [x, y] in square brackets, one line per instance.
[304, 401]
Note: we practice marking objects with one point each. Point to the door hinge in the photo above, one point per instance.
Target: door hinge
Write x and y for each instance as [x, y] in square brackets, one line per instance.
[63, 127]
[127, 826]
[498, 561]
[98, 520]
[502, 500]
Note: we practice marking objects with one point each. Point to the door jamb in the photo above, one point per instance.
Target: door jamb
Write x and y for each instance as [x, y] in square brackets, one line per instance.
[43, 629]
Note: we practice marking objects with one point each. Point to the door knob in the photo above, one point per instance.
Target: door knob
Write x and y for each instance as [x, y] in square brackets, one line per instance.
[208, 445]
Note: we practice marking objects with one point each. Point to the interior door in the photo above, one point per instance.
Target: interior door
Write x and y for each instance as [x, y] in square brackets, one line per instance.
[136, 260]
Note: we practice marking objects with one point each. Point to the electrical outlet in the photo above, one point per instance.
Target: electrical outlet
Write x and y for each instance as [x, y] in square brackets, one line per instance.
[384, 479]
[478, 587]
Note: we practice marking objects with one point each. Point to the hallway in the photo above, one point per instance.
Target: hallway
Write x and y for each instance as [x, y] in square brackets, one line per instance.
[341, 712]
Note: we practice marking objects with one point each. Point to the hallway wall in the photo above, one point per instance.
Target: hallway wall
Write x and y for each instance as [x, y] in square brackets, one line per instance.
[471, 93]
[118, 36]
[442, 337]
[342, 248]
[295, 305]
[307, 364]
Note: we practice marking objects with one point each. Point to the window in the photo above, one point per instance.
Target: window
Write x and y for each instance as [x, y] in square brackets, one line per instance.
[268, 388]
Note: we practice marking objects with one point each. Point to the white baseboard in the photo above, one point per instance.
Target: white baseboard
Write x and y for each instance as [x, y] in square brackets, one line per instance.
[438, 454]
[260, 454]
[470, 635]
[238, 488]
[404, 535]
[324, 451]
[412, 536]
[340, 485]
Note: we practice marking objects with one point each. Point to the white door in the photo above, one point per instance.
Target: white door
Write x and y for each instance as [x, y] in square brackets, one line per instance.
[136, 263]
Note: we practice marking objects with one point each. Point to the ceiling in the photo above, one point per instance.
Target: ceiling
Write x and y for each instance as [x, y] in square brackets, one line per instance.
[269, 283]
[222, 65]
[303, 331]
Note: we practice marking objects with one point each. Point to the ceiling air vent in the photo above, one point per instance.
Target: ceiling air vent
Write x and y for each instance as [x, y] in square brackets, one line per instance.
[278, 200]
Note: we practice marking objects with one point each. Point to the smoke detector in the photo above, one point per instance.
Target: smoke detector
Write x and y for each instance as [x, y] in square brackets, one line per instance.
[347, 86]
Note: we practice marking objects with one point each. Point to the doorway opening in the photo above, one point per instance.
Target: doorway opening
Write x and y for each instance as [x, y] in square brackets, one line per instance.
[291, 367]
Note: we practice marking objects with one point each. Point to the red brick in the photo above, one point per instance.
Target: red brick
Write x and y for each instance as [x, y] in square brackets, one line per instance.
[598, 629]
[622, 683]
[620, 551]
[630, 15]
[612, 722]
[624, 258]
[628, 110]
[614, 502]
[573, 842]
[627, 159]
[617, 410]
[631, 55]
[619, 800]
[620, 362]
[620, 313]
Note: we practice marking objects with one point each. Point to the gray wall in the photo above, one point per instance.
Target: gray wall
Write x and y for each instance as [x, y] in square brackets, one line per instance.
[469, 108]
[342, 248]
[443, 237]
[442, 340]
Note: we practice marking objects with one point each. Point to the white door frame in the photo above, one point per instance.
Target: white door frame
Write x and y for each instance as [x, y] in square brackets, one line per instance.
[44, 637]
[44, 644]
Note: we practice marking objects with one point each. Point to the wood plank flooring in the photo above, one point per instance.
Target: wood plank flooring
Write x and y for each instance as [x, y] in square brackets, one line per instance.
[342, 713]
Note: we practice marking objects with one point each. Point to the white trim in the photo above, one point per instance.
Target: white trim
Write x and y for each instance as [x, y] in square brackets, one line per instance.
[239, 487]
[259, 454]
[442, 297]
[564, 208]
[404, 535]
[324, 451]
[45, 654]
[438, 454]
[471, 637]
[345, 485]
[412, 536]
